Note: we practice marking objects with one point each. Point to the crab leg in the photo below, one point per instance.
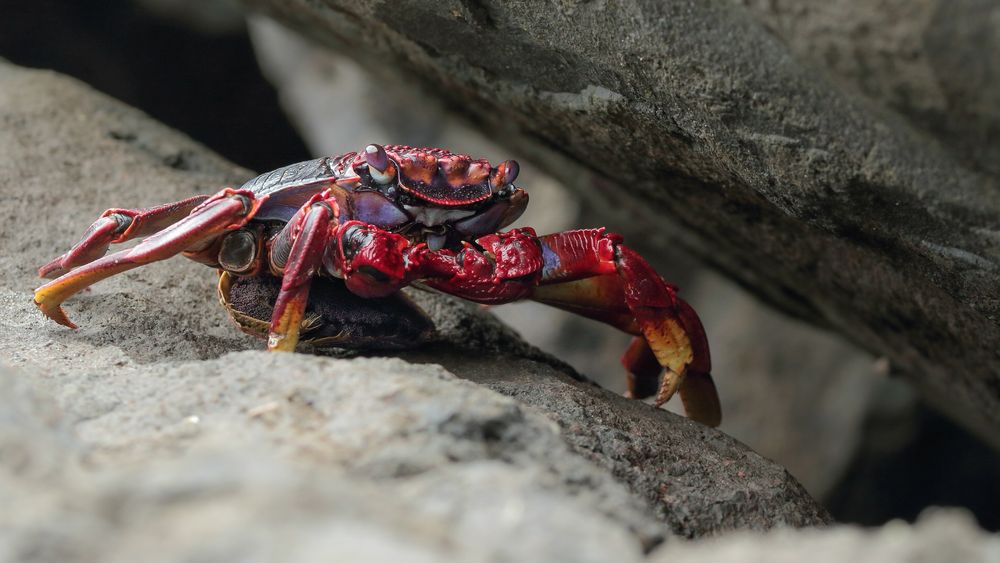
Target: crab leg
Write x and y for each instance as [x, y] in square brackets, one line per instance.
[118, 225]
[310, 233]
[226, 210]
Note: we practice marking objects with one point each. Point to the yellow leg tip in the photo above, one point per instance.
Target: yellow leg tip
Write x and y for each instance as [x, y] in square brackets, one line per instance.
[56, 312]
[281, 342]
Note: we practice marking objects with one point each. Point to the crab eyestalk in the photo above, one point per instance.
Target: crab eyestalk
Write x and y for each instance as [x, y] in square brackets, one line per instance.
[505, 174]
[379, 166]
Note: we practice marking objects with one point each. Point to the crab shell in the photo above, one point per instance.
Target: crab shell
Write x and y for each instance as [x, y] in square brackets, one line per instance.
[433, 175]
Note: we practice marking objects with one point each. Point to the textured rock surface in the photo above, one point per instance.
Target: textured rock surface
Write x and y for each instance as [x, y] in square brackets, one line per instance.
[838, 212]
[235, 456]
[936, 62]
[937, 536]
[145, 426]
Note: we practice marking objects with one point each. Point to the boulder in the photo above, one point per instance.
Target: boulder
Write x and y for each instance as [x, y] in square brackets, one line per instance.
[938, 535]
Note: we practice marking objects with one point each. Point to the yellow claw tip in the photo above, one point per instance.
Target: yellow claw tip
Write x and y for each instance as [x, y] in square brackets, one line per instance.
[668, 386]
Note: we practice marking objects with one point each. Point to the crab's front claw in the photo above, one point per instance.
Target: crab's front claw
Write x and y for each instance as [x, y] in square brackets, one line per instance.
[683, 358]
[675, 336]
[591, 273]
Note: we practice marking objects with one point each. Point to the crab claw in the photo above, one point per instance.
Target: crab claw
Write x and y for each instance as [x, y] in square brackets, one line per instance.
[379, 165]
[372, 260]
[505, 174]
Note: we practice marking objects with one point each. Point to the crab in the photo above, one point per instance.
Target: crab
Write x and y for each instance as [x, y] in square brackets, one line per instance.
[317, 252]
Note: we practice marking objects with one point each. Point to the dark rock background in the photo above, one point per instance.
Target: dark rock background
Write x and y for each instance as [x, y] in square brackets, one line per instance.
[862, 442]
[169, 62]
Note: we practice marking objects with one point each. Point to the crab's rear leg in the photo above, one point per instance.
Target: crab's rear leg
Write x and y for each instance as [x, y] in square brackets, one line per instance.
[229, 209]
[115, 226]
[589, 272]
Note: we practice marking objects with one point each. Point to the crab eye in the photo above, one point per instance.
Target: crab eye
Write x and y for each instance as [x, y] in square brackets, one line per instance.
[505, 174]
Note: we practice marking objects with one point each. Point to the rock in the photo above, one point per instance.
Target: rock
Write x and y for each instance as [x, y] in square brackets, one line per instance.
[794, 393]
[366, 455]
[837, 212]
[939, 535]
[932, 61]
[159, 428]
[910, 458]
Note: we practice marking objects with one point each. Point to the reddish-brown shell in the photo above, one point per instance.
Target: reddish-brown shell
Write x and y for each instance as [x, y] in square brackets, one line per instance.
[436, 175]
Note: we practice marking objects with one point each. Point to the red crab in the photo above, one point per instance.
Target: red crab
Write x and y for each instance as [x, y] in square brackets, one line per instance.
[381, 219]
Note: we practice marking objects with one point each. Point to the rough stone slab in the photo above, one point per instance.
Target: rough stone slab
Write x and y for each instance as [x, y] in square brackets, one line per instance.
[157, 407]
[935, 62]
[832, 209]
[939, 535]
[252, 457]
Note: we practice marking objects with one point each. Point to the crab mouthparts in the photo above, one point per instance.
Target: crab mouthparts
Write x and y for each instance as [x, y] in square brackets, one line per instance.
[436, 241]
[434, 216]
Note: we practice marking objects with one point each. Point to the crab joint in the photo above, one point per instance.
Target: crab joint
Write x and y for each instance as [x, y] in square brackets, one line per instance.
[239, 251]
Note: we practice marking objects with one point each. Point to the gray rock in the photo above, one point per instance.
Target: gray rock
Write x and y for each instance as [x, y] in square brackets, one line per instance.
[837, 212]
[939, 535]
[154, 431]
[239, 455]
[935, 62]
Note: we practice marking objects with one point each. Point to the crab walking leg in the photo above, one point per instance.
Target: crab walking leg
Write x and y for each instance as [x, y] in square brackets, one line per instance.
[118, 225]
[310, 233]
[224, 211]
